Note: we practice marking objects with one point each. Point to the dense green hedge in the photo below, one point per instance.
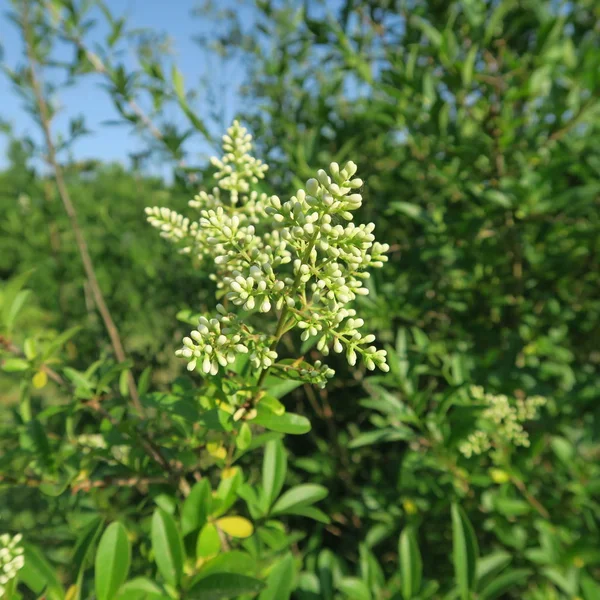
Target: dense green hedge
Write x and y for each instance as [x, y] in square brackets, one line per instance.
[476, 128]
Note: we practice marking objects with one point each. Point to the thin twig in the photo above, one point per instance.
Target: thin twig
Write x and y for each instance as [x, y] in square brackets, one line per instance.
[96, 405]
[100, 67]
[88, 484]
[533, 501]
[51, 158]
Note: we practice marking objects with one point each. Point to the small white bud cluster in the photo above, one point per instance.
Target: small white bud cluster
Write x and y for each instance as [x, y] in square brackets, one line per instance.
[11, 559]
[237, 168]
[297, 257]
[316, 374]
[216, 343]
[91, 441]
[477, 442]
[171, 224]
[501, 421]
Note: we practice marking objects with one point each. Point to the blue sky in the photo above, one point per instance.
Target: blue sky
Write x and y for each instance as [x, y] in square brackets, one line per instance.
[115, 143]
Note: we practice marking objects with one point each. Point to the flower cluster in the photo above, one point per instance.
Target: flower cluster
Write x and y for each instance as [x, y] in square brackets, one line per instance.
[501, 421]
[216, 343]
[11, 559]
[303, 259]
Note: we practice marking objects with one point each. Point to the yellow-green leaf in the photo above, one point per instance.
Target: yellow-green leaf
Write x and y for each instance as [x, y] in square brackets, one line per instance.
[209, 542]
[40, 379]
[238, 527]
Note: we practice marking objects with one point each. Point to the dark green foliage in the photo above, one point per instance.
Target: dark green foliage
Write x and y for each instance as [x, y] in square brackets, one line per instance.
[476, 127]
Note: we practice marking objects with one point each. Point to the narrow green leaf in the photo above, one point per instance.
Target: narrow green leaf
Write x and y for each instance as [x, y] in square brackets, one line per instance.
[490, 565]
[16, 307]
[281, 580]
[14, 365]
[244, 437]
[196, 507]
[354, 589]
[310, 512]
[411, 564]
[228, 562]
[144, 381]
[278, 388]
[274, 471]
[85, 542]
[589, 587]
[286, 423]
[178, 84]
[299, 496]
[141, 588]
[380, 436]
[224, 585]
[39, 575]
[504, 583]
[429, 31]
[465, 551]
[168, 546]
[112, 561]
[468, 65]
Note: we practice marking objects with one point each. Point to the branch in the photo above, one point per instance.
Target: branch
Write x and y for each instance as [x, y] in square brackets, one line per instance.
[88, 266]
[100, 67]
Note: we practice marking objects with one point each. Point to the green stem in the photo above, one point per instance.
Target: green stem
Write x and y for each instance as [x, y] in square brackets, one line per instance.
[280, 329]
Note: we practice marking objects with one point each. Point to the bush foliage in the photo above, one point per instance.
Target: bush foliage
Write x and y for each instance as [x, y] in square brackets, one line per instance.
[467, 470]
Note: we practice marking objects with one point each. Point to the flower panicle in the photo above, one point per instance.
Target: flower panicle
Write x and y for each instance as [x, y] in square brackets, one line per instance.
[304, 258]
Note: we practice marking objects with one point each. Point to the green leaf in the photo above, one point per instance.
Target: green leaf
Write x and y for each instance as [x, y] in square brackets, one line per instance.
[273, 471]
[59, 341]
[299, 496]
[563, 449]
[430, 32]
[85, 541]
[354, 589]
[244, 437]
[141, 588]
[379, 436]
[208, 543]
[113, 558]
[227, 492]
[278, 388]
[178, 84]
[15, 365]
[468, 65]
[196, 507]
[498, 197]
[8, 299]
[589, 587]
[78, 379]
[491, 565]
[411, 564]
[224, 585]
[286, 423]
[228, 562]
[465, 551]
[168, 546]
[281, 580]
[409, 209]
[39, 575]
[310, 512]
[144, 381]
[16, 307]
[505, 583]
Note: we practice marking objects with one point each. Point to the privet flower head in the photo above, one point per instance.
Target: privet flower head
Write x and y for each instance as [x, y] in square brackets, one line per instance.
[11, 559]
[501, 421]
[302, 260]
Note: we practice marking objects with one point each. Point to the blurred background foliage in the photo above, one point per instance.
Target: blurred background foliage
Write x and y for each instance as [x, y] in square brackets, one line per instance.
[476, 127]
